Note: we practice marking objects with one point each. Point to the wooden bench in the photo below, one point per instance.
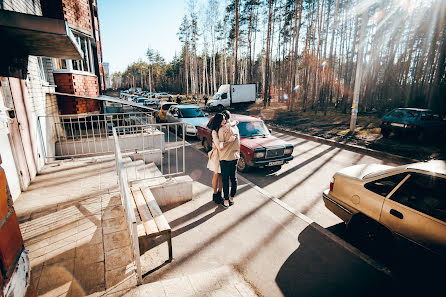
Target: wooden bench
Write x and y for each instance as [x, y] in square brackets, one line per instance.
[151, 221]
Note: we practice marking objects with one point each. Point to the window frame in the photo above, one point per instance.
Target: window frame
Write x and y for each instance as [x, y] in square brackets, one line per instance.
[414, 174]
[396, 187]
[88, 58]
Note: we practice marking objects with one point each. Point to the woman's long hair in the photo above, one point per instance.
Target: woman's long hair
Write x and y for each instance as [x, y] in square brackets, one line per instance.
[216, 122]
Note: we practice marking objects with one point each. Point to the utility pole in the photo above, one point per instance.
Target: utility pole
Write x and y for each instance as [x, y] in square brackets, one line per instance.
[236, 42]
[358, 73]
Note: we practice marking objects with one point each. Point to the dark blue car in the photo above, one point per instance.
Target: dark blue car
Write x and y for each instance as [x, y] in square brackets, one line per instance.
[417, 122]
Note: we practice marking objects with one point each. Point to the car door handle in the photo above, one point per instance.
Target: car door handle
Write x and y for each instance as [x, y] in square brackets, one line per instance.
[396, 213]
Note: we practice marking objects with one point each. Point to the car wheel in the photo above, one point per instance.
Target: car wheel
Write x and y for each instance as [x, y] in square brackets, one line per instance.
[385, 132]
[242, 166]
[220, 108]
[206, 145]
[368, 234]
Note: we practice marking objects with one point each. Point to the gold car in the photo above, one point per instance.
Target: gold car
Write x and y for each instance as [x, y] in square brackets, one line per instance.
[407, 201]
[161, 114]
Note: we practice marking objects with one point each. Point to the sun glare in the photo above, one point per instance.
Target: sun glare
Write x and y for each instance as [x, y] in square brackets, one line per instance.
[411, 5]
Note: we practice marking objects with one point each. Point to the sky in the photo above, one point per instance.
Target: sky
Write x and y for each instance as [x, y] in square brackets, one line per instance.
[129, 27]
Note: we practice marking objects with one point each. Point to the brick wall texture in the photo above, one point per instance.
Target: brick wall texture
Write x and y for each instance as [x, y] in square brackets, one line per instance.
[11, 238]
[77, 84]
[77, 12]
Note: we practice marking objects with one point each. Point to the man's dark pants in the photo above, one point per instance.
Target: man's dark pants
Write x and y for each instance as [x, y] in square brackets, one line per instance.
[228, 170]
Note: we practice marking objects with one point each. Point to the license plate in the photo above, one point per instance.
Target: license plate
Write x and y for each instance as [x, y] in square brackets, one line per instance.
[275, 163]
[397, 124]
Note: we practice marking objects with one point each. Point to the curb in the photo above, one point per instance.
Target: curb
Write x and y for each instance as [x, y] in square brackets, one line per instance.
[350, 147]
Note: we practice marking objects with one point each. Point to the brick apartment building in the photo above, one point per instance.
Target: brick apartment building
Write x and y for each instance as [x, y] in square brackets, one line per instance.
[50, 59]
[53, 61]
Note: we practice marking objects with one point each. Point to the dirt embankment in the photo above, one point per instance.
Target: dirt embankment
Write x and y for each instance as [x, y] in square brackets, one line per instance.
[336, 126]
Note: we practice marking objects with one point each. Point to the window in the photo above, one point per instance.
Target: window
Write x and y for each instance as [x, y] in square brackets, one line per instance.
[385, 185]
[429, 116]
[166, 106]
[256, 128]
[424, 193]
[85, 65]
[191, 113]
[397, 114]
[411, 113]
[43, 72]
[60, 64]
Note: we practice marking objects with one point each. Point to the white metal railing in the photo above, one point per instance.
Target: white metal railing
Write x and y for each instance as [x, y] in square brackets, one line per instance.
[127, 205]
[161, 145]
[72, 136]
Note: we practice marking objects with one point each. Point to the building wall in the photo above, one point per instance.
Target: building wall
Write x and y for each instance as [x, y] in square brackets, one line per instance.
[77, 12]
[36, 104]
[77, 84]
[42, 104]
[80, 16]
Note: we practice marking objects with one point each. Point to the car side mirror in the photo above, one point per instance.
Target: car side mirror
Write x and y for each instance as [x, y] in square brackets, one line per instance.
[270, 131]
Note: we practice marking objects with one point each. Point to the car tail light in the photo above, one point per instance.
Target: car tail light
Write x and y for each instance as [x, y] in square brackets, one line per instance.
[331, 184]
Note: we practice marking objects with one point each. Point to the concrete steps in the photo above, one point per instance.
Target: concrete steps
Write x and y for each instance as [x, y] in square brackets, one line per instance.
[169, 191]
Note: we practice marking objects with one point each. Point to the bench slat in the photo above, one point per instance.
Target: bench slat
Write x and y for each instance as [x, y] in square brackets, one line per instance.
[160, 220]
[148, 221]
[140, 226]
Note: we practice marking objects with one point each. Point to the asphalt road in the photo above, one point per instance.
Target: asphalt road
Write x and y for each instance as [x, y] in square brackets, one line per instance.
[300, 183]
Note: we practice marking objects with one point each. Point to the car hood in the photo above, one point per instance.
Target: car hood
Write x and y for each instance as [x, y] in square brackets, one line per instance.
[360, 171]
[202, 121]
[259, 141]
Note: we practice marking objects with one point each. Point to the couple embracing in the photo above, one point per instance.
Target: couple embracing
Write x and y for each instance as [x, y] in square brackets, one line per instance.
[223, 157]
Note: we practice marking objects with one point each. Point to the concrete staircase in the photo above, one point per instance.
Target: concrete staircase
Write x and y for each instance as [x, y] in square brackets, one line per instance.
[168, 191]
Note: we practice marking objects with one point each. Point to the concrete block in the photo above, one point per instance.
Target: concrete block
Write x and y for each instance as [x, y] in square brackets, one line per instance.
[175, 191]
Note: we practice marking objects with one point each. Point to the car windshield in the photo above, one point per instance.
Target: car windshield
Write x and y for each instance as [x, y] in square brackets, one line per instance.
[255, 128]
[191, 113]
[412, 113]
[166, 106]
[216, 96]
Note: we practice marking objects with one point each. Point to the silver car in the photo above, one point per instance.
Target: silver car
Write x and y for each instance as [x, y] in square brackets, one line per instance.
[191, 115]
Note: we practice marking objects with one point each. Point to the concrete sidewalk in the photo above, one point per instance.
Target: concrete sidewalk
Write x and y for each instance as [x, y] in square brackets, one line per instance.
[73, 225]
[274, 251]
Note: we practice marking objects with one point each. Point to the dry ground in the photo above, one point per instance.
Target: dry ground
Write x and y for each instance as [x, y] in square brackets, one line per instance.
[335, 126]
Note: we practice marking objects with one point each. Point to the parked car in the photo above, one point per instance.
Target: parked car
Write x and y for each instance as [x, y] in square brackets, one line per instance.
[380, 203]
[420, 123]
[191, 115]
[152, 103]
[258, 148]
[160, 116]
[163, 95]
[139, 100]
